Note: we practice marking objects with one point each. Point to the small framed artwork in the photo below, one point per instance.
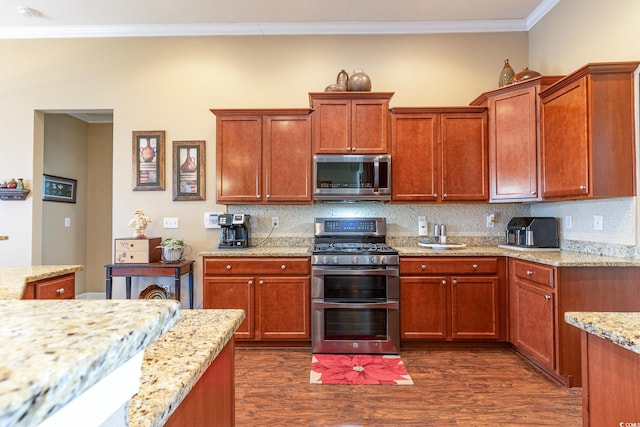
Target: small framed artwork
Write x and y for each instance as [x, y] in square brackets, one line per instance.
[188, 170]
[148, 160]
[58, 189]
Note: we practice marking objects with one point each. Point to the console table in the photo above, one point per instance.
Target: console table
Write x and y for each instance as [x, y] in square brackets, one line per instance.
[175, 270]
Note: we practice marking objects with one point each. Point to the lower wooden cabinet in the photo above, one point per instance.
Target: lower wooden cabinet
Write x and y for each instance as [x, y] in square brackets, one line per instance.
[61, 287]
[273, 292]
[452, 298]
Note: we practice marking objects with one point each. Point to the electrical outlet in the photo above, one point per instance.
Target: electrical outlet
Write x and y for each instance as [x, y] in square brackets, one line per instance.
[422, 225]
[275, 222]
[598, 222]
[491, 220]
[170, 222]
[568, 222]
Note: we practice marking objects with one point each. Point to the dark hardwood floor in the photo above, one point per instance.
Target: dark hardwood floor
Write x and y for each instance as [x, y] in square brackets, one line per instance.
[487, 387]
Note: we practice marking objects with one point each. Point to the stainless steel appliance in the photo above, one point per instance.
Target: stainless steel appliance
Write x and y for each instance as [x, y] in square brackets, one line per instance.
[355, 288]
[533, 232]
[352, 177]
[234, 231]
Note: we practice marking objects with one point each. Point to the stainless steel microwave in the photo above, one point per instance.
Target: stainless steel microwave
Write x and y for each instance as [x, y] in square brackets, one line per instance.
[351, 177]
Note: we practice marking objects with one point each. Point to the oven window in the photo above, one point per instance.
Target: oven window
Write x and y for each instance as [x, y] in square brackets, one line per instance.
[355, 323]
[362, 288]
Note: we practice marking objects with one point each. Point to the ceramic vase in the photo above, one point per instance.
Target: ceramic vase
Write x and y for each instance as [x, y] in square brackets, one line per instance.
[359, 81]
[506, 74]
[172, 255]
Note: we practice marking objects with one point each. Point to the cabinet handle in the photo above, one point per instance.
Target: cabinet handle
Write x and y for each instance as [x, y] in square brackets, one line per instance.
[423, 267]
[353, 148]
[268, 195]
[444, 196]
[547, 297]
[250, 282]
[60, 291]
[435, 195]
[228, 267]
[582, 187]
[444, 282]
[455, 282]
[529, 273]
[533, 193]
[283, 267]
[474, 266]
[261, 282]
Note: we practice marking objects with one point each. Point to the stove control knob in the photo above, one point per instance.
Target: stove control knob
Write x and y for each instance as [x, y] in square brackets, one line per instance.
[335, 259]
[373, 259]
[383, 260]
[355, 260]
[324, 260]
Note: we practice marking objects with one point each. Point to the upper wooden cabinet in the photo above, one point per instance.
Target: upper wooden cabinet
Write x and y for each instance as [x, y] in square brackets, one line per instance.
[439, 154]
[514, 113]
[587, 125]
[350, 122]
[263, 156]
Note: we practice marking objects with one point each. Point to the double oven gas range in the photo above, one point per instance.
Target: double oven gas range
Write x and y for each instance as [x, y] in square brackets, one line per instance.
[355, 288]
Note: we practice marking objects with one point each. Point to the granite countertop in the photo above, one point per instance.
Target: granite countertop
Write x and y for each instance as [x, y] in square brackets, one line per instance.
[557, 259]
[174, 363]
[53, 351]
[622, 329]
[14, 279]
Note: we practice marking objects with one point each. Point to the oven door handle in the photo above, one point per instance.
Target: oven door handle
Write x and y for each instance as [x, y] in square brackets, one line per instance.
[391, 305]
[333, 271]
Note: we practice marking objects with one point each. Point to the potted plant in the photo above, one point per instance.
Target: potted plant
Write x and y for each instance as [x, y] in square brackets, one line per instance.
[172, 249]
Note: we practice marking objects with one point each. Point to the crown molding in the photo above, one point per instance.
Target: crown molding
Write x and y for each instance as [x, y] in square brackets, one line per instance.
[540, 11]
[262, 29]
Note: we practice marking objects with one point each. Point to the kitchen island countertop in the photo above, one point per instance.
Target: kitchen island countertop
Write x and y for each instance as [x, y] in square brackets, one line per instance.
[174, 363]
[621, 328]
[14, 279]
[55, 350]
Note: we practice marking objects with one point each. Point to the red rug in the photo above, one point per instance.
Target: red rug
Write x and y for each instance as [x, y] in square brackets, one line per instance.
[355, 369]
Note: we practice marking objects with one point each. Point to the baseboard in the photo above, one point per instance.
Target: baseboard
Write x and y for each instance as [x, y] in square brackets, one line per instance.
[91, 295]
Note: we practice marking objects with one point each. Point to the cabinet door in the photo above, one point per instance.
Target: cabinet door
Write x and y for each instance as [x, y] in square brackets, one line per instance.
[513, 145]
[239, 159]
[332, 126]
[464, 157]
[414, 139]
[535, 322]
[564, 143]
[287, 159]
[369, 121]
[283, 308]
[475, 307]
[232, 292]
[423, 308]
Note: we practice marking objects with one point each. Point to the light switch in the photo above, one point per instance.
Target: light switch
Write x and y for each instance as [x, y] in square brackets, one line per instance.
[598, 222]
[67, 222]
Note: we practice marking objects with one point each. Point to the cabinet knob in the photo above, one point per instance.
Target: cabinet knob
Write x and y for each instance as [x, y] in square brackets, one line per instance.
[444, 196]
[283, 267]
[423, 267]
[547, 297]
[444, 282]
[533, 193]
[353, 148]
[228, 267]
[250, 282]
[455, 282]
[435, 195]
[261, 282]
[529, 273]
[268, 195]
[474, 266]
[583, 187]
[60, 291]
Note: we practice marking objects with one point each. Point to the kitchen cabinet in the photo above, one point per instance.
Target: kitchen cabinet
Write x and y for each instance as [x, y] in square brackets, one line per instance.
[350, 122]
[539, 295]
[513, 123]
[60, 287]
[439, 154]
[273, 292]
[587, 133]
[263, 156]
[453, 298]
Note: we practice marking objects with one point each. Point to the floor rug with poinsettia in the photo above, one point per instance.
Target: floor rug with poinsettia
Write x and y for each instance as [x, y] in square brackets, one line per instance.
[357, 369]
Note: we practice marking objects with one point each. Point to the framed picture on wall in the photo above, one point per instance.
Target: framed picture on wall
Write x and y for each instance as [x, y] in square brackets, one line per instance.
[58, 189]
[148, 160]
[188, 170]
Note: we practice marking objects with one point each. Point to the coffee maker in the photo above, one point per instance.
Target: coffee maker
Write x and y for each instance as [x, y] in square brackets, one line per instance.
[234, 231]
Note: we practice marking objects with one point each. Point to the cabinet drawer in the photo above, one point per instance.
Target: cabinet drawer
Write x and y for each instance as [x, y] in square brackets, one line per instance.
[537, 273]
[256, 266]
[441, 265]
[62, 287]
